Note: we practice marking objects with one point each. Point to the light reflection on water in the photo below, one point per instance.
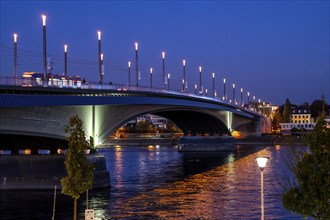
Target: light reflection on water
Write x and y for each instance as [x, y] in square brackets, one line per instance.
[161, 183]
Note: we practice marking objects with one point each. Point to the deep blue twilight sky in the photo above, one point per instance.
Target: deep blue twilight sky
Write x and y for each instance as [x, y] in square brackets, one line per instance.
[273, 49]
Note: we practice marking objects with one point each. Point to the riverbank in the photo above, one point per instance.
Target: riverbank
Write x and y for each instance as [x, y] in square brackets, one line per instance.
[43, 172]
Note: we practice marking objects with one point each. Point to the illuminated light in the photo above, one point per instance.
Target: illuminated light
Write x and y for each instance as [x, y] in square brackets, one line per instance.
[213, 75]
[129, 64]
[200, 69]
[150, 70]
[25, 152]
[136, 46]
[184, 62]
[157, 146]
[262, 162]
[224, 80]
[163, 55]
[233, 85]
[182, 81]
[248, 93]
[43, 20]
[99, 35]
[259, 100]
[254, 97]
[102, 56]
[15, 38]
[236, 134]
[195, 86]
[206, 91]
[241, 89]
[65, 48]
[150, 147]
[169, 76]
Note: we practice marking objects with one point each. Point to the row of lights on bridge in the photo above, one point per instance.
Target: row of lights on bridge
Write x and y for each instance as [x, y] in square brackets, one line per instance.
[166, 79]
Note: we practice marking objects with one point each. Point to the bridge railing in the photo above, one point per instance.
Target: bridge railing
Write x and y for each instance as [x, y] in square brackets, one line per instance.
[55, 83]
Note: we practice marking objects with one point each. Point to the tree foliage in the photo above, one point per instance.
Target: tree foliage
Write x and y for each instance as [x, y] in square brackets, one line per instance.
[287, 110]
[79, 171]
[310, 194]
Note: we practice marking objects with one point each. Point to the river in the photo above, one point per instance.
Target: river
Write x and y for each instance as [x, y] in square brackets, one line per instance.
[161, 183]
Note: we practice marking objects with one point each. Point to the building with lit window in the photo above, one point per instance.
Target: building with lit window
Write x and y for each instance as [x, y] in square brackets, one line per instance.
[300, 119]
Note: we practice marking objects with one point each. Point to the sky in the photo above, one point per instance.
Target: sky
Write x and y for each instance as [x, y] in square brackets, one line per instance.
[272, 49]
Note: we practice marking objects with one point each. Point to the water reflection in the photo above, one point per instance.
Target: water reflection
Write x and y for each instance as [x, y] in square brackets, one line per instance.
[161, 183]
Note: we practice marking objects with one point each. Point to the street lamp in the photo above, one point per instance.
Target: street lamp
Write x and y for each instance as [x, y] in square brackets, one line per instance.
[151, 78]
[15, 57]
[65, 59]
[241, 96]
[129, 73]
[261, 164]
[224, 90]
[44, 18]
[184, 74]
[200, 79]
[195, 88]
[248, 101]
[102, 67]
[163, 62]
[99, 55]
[234, 99]
[168, 79]
[136, 64]
[213, 78]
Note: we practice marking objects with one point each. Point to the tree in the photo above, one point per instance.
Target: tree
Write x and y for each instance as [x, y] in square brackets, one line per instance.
[287, 111]
[79, 171]
[309, 194]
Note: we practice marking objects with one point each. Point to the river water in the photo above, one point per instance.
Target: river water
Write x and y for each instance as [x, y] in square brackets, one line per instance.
[162, 183]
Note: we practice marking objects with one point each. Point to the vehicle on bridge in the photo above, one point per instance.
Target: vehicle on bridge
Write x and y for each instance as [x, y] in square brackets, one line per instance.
[52, 80]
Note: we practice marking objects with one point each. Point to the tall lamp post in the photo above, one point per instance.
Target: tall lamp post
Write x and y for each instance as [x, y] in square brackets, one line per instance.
[261, 164]
[163, 65]
[234, 99]
[224, 90]
[44, 18]
[151, 78]
[213, 78]
[168, 79]
[129, 73]
[102, 67]
[99, 56]
[15, 57]
[195, 88]
[200, 80]
[241, 96]
[184, 75]
[65, 59]
[136, 64]
[248, 100]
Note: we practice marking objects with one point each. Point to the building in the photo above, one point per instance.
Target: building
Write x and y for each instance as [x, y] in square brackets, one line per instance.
[300, 119]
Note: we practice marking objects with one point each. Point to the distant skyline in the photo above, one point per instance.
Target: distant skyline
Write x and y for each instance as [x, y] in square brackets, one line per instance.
[272, 49]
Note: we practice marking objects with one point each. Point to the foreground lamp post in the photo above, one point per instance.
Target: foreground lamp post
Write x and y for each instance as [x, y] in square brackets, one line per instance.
[65, 59]
[163, 64]
[129, 73]
[44, 45]
[136, 64]
[15, 57]
[261, 164]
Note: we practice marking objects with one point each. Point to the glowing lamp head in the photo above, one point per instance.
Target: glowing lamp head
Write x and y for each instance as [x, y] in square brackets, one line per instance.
[65, 48]
[224, 80]
[213, 75]
[234, 86]
[200, 69]
[136, 46]
[183, 62]
[163, 55]
[99, 35]
[129, 64]
[254, 97]
[195, 86]
[248, 93]
[15, 38]
[150, 70]
[43, 20]
[262, 162]
[259, 100]
[182, 81]
[169, 76]
[102, 56]
[241, 89]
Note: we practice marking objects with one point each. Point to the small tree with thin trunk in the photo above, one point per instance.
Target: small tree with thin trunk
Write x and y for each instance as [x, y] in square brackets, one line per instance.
[79, 171]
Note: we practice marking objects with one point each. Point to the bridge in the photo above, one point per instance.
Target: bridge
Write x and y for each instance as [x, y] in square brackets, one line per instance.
[44, 110]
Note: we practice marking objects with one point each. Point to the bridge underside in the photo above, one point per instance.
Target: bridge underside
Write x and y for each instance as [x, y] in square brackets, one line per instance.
[102, 120]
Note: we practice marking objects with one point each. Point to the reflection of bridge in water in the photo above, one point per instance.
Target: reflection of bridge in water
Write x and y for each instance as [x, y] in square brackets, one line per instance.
[43, 111]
